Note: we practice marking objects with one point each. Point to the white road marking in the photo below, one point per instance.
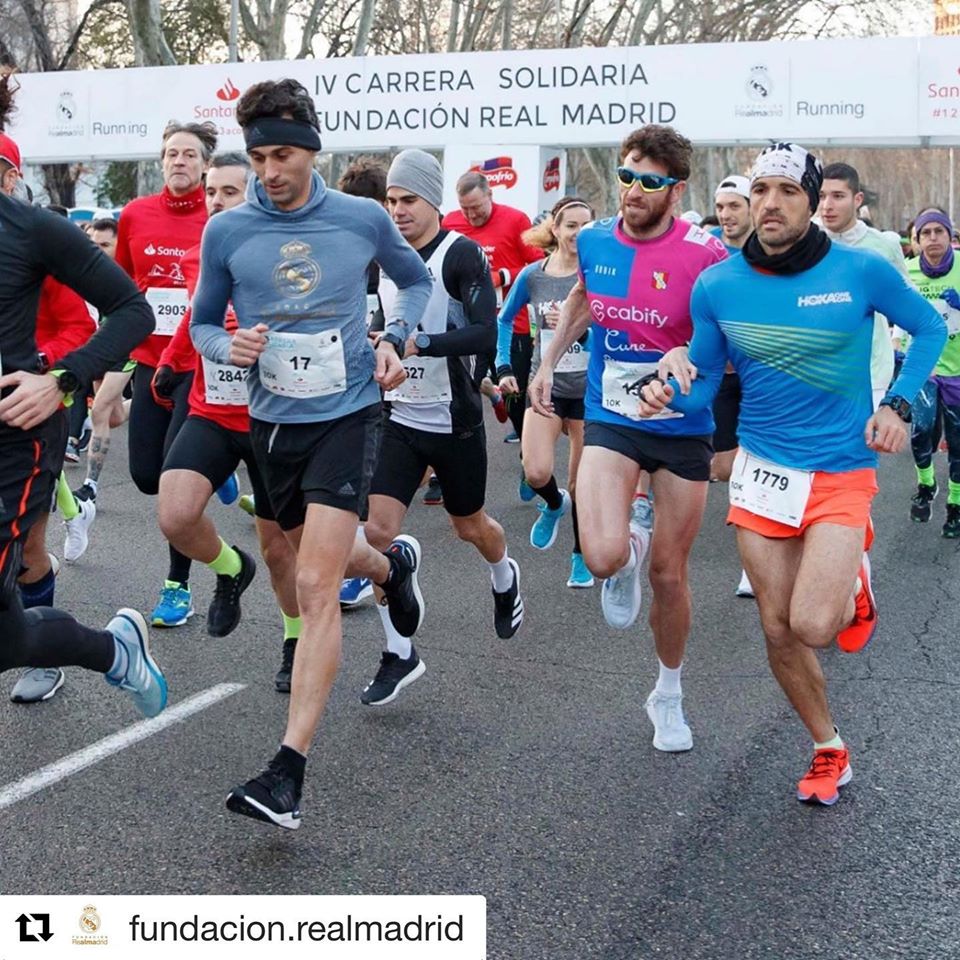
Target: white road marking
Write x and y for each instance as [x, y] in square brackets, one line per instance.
[61, 769]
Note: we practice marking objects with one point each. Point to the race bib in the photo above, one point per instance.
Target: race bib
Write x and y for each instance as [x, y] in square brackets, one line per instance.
[225, 384]
[769, 490]
[575, 360]
[950, 316]
[304, 364]
[168, 304]
[428, 381]
[621, 389]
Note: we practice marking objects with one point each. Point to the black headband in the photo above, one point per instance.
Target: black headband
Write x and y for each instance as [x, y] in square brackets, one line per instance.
[281, 132]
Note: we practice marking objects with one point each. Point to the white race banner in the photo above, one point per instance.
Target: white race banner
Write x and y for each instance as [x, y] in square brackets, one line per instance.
[713, 93]
[243, 927]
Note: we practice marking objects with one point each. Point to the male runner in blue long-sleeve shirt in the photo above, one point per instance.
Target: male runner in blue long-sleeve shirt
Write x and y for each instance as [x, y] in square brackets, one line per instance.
[293, 261]
[795, 317]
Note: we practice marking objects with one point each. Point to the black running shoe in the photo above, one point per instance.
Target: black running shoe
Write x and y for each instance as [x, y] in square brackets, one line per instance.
[403, 596]
[433, 497]
[920, 503]
[951, 529]
[285, 673]
[394, 674]
[273, 797]
[508, 606]
[223, 617]
[85, 492]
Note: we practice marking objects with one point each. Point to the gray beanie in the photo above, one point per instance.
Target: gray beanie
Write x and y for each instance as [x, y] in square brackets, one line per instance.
[418, 172]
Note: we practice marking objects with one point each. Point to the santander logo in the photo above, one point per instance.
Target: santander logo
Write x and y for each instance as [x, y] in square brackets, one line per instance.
[498, 171]
[228, 91]
[551, 175]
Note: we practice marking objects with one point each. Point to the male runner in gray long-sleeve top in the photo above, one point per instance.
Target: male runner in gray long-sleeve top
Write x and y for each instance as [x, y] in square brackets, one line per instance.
[293, 260]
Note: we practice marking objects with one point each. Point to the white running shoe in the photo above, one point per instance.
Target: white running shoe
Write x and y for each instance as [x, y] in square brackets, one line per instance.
[670, 731]
[621, 594]
[78, 531]
[745, 588]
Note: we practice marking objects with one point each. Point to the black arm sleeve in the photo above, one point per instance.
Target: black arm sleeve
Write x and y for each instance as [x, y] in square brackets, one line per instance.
[63, 251]
[466, 275]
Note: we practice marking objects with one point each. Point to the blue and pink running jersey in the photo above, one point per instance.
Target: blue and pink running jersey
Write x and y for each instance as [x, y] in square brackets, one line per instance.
[639, 297]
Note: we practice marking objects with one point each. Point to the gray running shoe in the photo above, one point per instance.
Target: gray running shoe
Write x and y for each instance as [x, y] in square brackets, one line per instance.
[138, 672]
[37, 684]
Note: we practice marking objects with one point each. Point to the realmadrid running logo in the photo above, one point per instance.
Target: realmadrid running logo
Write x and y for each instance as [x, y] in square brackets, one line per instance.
[759, 84]
[89, 920]
[298, 274]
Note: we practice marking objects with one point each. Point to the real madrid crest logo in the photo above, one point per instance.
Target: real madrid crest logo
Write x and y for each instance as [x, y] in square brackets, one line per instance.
[89, 920]
[297, 274]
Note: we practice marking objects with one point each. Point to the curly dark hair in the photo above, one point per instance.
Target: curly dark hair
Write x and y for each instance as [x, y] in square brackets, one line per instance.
[8, 87]
[277, 98]
[662, 145]
[205, 132]
[365, 177]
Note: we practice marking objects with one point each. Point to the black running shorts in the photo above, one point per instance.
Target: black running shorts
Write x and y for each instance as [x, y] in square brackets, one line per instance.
[686, 457]
[214, 452]
[459, 461]
[30, 464]
[329, 462]
[726, 413]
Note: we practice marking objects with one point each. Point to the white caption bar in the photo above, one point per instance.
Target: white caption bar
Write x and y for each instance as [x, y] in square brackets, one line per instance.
[239, 927]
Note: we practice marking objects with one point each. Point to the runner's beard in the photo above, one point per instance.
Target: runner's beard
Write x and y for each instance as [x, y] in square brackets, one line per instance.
[657, 207]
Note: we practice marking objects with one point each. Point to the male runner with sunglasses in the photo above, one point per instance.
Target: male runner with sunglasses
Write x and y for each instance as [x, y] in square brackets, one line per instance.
[636, 274]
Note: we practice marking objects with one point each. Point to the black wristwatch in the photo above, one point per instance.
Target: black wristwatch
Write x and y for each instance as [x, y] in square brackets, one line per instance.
[899, 406]
[398, 344]
[67, 381]
[422, 341]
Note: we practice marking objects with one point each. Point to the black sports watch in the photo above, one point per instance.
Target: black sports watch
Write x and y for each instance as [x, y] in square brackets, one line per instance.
[422, 341]
[902, 408]
[398, 344]
[67, 381]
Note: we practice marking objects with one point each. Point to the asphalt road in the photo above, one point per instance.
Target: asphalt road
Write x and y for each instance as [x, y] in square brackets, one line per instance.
[523, 770]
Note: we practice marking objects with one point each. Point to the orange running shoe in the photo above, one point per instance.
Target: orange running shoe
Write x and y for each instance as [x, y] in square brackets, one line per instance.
[829, 771]
[864, 625]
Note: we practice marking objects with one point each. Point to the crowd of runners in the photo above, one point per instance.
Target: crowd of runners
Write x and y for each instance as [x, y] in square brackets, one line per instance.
[343, 345]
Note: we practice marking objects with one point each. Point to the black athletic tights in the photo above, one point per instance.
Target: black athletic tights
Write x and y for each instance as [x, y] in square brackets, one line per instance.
[150, 435]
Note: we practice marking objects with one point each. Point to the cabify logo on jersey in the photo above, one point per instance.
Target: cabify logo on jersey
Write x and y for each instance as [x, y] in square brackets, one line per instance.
[551, 175]
[659, 279]
[498, 171]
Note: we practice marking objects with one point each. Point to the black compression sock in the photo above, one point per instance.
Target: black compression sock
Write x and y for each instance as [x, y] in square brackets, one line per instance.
[550, 493]
[179, 567]
[576, 529]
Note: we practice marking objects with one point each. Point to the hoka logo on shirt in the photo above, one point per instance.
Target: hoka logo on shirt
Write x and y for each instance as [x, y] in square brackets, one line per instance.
[822, 299]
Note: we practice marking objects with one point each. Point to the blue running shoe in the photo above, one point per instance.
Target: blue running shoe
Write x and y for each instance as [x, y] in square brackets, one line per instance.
[229, 490]
[511, 437]
[543, 534]
[137, 672]
[641, 513]
[580, 575]
[354, 590]
[175, 606]
[525, 491]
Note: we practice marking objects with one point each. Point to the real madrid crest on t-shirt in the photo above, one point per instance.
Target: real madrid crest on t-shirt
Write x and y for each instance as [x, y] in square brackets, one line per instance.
[297, 274]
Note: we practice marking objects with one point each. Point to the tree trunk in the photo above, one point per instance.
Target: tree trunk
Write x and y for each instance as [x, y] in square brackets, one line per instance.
[367, 11]
[149, 44]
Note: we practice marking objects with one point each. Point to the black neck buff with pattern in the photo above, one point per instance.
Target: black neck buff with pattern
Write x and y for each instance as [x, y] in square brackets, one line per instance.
[807, 252]
[281, 132]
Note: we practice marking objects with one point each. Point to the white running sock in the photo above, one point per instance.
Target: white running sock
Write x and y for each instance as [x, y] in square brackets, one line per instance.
[631, 563]
[836, 743]
[668, 683]
[401, 646]
[501, 573]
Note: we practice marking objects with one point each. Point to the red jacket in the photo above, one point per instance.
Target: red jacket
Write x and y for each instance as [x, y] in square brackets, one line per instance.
[182, 356]
[153, 235]
[63, 321]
